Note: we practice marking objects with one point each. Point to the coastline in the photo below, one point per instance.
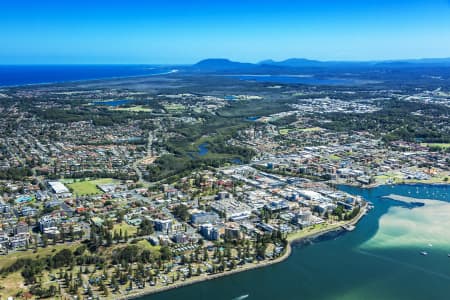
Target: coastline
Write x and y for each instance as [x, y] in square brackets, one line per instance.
[378, 184]
[86, 80]
[291, 240]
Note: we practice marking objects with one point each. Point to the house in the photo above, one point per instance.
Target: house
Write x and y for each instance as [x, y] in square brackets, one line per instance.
[41, 196]
[47, 222]
[19, 241]
[27, 211]
[20, 227]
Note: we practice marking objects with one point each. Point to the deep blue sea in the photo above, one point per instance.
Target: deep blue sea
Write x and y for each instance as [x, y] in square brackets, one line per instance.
[35, 74]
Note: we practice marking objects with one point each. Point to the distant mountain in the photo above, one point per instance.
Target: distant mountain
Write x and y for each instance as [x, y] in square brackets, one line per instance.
[305, 63]
[221, 64]
[427, 60]
[293, 63]
[299, 65]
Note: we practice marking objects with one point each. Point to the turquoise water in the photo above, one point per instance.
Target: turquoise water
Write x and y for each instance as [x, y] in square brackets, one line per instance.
[379, 260]
[23, 199]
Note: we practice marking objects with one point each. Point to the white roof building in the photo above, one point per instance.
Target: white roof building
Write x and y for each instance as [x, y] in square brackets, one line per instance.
[58, 187]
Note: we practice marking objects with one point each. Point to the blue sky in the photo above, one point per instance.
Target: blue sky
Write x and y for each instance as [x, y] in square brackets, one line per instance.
[131, 31]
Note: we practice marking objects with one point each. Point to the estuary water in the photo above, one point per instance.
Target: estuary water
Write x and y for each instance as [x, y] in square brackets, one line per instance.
[380, 259]
[299, 79]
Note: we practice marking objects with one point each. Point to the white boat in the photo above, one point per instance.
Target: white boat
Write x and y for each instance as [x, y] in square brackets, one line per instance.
[424, 253]
[241, 297]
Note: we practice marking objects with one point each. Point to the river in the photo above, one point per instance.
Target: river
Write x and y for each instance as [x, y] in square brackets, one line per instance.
[380, 259]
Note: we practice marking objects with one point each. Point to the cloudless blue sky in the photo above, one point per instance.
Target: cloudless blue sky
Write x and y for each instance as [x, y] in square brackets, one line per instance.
[131, 31]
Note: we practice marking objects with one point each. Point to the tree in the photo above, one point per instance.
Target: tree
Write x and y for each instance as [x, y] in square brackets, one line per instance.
[62, 258]
[205, 254]
[146, 227]
[189, 271]
[109, 239]
[181, 211]
[166, 254]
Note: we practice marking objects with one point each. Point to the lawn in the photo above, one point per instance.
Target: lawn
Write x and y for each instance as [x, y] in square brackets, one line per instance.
[137, 108]
[11, 285]
[146, 245]
[398, 178]
[334, 157]
[312, 230]
[174, 107]
[130, 229]
[284, 131]
[88, 187]
[437, 145]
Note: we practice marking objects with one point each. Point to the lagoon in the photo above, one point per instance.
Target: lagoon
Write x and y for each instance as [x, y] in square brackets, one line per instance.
[113, 102]
[203, 149]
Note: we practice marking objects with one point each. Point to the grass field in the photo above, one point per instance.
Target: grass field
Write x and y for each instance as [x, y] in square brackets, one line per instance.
[334, 157]
[174, 107]
[88, 187]
[284, 131]
[440, 145]
[11, 285]
[312, 230]
[137, 108]
[311, 129]
[130, 229]
[146, 245]
[397, 178]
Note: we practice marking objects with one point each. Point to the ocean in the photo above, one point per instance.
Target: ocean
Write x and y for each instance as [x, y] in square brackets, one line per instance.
[14, 75]
[380, 259]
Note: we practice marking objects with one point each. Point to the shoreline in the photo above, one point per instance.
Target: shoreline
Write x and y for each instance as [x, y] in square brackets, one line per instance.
[280, 259]
[378, 184]
[87, 80]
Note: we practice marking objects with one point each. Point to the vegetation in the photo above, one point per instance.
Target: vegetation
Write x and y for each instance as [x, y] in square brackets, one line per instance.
[396, 121]
[88, 187]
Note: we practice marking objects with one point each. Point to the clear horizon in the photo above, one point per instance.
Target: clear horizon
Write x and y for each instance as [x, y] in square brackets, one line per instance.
[181, 32]
[194, 62]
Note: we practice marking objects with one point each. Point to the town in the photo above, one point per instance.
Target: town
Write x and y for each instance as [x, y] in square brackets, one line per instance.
[109, 191]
